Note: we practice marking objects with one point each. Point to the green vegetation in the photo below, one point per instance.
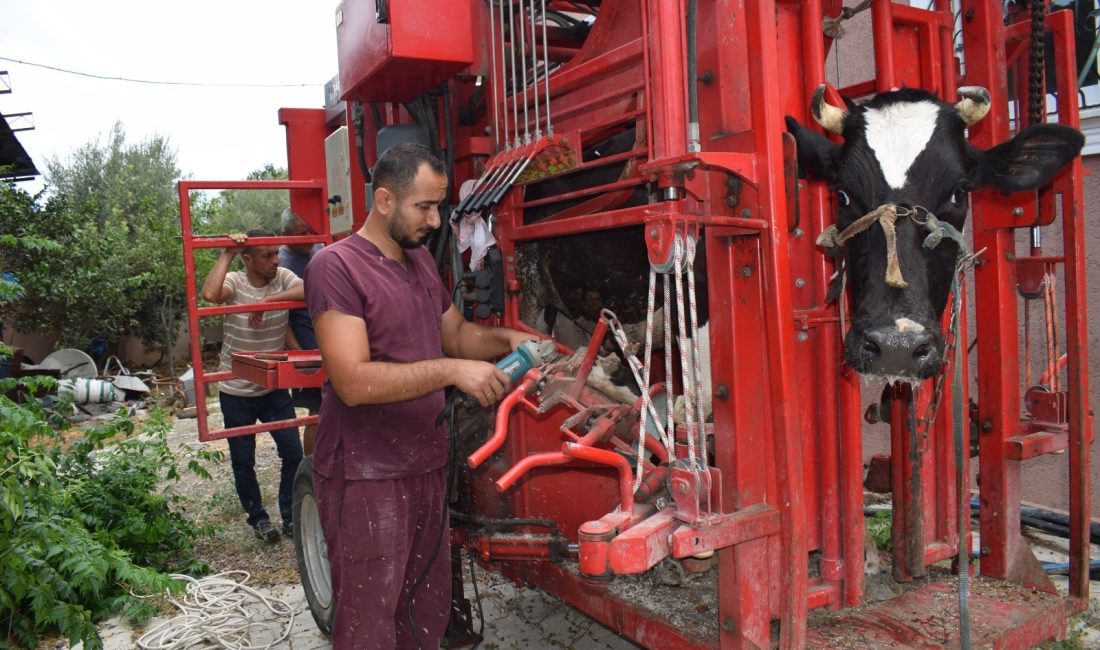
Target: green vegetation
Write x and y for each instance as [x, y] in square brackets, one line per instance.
[98, 256]
[1075, 637]
[879, 525]
[83, 524]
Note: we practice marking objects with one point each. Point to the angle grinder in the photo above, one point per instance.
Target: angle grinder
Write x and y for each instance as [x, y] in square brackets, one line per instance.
[528, 355]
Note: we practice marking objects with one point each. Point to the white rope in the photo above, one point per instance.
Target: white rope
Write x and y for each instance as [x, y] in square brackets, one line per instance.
[695, 352]
[646, 357]
[685, 352]
[616, 328]
[214, 616]
[670, 424]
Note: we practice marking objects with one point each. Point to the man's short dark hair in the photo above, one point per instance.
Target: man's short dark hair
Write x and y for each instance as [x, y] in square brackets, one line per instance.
[257, 232]
[396, 168]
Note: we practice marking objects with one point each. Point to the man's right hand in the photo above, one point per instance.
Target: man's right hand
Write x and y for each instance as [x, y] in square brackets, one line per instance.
[481, 380]
[239, 239]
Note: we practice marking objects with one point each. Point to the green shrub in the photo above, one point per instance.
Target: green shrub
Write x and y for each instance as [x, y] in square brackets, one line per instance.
[83, 524]
[879, 525]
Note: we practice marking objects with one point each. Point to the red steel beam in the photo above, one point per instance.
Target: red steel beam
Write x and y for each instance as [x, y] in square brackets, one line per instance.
[1005, 554]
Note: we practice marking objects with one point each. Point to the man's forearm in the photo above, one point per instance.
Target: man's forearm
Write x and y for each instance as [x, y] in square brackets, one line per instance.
[297, 292]
[212, 285]
[381, 382]
[483, 343]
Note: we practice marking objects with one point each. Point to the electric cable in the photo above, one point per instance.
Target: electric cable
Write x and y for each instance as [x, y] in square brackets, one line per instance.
[213, 611]
[452, 430]
[155, 82]
[477, 599]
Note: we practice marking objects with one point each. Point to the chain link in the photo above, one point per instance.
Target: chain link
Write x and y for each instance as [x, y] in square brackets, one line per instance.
[1036, 100]
[965, 263]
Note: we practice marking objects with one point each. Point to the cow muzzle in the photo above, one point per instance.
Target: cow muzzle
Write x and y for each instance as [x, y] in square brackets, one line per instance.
[905, 350]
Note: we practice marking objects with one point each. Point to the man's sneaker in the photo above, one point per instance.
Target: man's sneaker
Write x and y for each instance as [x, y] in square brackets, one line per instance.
[288, 531]
[265, 531]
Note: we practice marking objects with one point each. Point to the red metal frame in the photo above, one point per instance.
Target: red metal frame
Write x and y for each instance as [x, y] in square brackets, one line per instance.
[786, 475]
[1004, 552]
[306, 130]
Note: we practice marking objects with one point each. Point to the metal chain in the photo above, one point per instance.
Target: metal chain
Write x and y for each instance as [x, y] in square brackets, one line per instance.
[964, 263]
[1036, 101]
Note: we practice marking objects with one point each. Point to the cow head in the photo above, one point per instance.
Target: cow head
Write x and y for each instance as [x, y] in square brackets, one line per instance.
[905, 157]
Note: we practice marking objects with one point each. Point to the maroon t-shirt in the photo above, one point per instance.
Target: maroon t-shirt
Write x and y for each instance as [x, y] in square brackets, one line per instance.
[403, 307]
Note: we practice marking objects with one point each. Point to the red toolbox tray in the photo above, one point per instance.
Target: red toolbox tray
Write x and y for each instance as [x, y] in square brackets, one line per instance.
[287, 369]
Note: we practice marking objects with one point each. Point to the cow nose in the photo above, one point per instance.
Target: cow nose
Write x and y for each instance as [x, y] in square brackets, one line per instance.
[897, 353]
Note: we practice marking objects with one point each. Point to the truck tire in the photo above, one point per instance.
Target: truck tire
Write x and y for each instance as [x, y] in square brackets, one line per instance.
[311, 550]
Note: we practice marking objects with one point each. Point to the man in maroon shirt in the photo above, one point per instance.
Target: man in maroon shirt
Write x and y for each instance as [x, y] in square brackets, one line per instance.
[390, 341]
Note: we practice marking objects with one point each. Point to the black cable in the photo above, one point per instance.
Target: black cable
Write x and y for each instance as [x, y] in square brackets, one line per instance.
[446, 510]
[357, 119]
[156, 82]
[477, 599]
[444, 235]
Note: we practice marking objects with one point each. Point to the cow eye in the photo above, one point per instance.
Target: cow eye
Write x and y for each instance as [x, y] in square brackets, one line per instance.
[843, 199]
[958, 197]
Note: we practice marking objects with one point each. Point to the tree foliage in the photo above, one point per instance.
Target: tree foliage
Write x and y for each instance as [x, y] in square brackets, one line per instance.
[111, 259]
[117, 268]
[84, 527]
[84, 523]
[243, 210]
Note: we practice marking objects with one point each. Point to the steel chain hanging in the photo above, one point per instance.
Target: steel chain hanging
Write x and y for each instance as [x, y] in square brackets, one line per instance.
[1036, 104]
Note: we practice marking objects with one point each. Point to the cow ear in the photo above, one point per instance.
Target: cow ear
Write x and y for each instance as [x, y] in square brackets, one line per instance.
[1029, 160]
[817, 156]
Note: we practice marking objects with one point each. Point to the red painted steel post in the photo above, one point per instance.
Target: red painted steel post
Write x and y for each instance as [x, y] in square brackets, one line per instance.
[882, 20]
[1004, 551]
[1076, 324]
[778, 307]
[192, 304]
[306, 131]
[665, 46]
[833, 513]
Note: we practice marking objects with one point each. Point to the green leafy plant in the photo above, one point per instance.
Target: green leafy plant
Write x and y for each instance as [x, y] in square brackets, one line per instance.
[83, 524]
[879, 525]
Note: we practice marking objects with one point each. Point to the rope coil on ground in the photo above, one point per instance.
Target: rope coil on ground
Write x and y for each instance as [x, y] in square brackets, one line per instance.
[214, 616]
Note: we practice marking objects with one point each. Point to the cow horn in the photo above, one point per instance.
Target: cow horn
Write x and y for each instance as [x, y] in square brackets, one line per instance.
[974, 104]
[827, 115]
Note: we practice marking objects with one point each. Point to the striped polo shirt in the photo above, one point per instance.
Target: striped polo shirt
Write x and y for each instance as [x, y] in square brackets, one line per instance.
[239, 336]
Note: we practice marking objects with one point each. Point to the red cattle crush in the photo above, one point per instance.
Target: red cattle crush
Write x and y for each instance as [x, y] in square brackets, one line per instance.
[779, 499]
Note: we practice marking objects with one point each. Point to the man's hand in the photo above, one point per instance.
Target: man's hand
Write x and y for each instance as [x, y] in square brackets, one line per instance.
[239, 239]
[517, 338]
[256, 318]
[481, 380]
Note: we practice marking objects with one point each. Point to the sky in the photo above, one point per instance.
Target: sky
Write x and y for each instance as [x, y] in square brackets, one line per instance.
[218, 133]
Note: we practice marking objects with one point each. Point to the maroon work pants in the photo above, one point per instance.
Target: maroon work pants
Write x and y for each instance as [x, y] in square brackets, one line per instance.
[381, 534]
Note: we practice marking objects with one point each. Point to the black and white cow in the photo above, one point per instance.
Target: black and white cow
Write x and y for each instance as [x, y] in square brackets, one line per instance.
[905, 157]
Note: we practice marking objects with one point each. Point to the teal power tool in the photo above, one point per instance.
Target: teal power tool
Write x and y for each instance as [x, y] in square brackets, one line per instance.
[527, 356]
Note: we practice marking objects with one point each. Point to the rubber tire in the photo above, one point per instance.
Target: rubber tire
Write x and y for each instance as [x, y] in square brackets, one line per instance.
[311, 550]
